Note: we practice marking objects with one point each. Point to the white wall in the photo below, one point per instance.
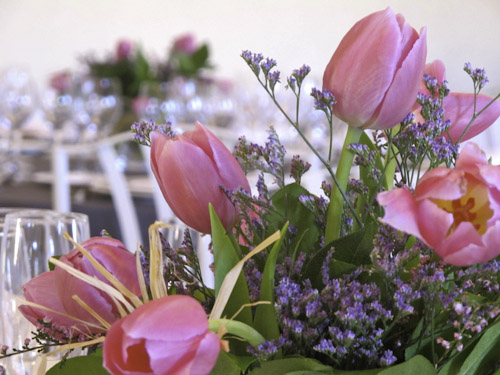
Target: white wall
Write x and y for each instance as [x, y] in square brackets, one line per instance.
[49, 35]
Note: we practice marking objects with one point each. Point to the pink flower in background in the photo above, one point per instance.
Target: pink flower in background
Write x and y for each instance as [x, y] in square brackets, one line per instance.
[190, 170]
[376, 71]
[124, 49]
[167, 336]
[61, 82]
[459, 107]
[55, 289]
[456, 211]
[185, 43]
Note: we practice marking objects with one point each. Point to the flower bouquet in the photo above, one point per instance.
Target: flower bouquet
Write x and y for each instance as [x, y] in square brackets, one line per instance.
[395, 270]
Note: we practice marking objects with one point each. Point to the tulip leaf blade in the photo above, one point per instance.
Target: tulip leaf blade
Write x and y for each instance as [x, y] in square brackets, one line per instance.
[225, 365]
[265, 320]
[83, 365]
[225, 258]
[297, 365]
[418, 365]
[286, 201]
[485, 353]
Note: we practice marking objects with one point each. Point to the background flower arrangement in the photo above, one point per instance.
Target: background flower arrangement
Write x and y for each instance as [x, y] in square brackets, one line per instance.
[330, 286]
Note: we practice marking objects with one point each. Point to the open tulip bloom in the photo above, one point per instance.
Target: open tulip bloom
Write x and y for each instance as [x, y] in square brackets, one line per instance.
[394, 271]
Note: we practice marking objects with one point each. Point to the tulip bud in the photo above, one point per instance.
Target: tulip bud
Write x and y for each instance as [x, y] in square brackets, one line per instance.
[168, 335]
[376, 71]
[190, 169]
[55, 289]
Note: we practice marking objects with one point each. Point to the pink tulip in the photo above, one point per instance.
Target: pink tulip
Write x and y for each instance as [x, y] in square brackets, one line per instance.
[185, 43]
[376, 71]
[190, 170]
[456, 211]
[459, 107]
[124, 49]
[54, 289]
[167, 336]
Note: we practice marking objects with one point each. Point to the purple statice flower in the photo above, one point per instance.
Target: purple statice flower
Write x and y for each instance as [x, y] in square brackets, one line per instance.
[142, 131]
[342, 321]
[269, 158]
[262, 190]
[478, 76]
[253, 60]
[297, 77]
[267, 64]
[327, 188]
[268, 348]
[273, 78]
[299, 167]
[388, 358]
[323, 100]
[254, 279]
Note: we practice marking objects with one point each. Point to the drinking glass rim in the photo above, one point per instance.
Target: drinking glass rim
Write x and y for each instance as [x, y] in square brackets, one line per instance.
[44, 215]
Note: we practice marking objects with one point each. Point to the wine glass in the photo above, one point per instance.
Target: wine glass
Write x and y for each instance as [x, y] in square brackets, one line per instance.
[97, 106]
[29, 239]
[57, 104]
[18, 100]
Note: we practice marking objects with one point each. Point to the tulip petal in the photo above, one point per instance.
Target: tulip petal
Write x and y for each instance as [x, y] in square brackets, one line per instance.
[189, 181]
[433, 223]
[401, 95]
[400, 210]
[228, 167]
[471, 156]
[465, 235]
[41, 290]
[114, 352]
[477, 253]
[409, 37]
[459, 109]
[362, 68]
[190, 324]
[207, 354]
[441, 183]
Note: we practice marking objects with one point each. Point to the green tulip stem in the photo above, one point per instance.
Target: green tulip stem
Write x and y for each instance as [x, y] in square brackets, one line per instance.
[237, 328]
[335, 209]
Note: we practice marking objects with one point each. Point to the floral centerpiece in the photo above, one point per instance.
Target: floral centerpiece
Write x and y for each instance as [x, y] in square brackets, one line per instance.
[394, 270]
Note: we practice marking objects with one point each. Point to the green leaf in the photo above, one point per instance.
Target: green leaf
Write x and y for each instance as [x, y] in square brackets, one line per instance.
[225, 258]
[292, 366]
[286, 201]
[418, 365]
[353, 249]
[84, 365]
[52, 266]
[358, 372]
[485, 354]
[225, 365]
[265, 320]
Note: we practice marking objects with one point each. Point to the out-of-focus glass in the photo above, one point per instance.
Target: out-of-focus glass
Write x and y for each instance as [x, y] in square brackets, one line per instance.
[29, 238]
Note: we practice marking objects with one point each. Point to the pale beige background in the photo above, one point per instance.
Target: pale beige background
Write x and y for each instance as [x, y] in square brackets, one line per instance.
[48, 35]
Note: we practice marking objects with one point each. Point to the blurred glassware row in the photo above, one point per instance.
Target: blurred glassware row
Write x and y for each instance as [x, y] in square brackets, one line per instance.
[78, 109]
